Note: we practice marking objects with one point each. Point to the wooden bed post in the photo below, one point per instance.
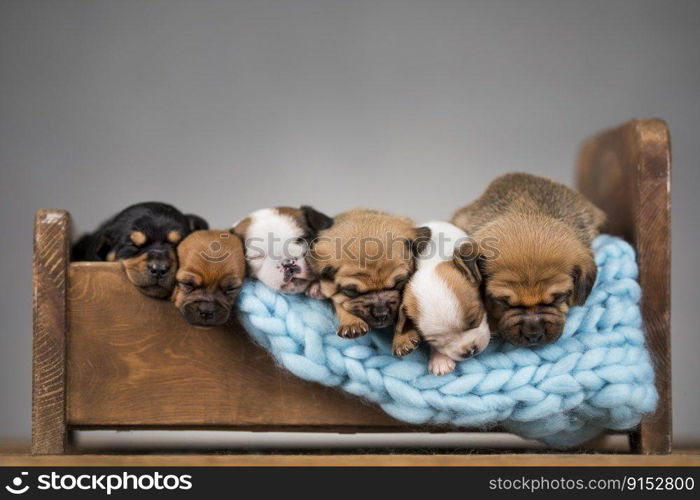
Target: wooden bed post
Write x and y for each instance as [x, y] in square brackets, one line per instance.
[626, 171]
[50, 275]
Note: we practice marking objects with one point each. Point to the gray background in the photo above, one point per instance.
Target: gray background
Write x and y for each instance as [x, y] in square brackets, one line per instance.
[411, 106]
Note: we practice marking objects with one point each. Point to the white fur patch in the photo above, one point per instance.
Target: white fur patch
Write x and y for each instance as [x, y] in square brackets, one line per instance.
[439, 311]
[444, 238]
[271, 238]
[440, 314]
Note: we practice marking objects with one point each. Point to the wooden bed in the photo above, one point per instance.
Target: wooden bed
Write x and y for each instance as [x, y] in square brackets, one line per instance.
[107, 357]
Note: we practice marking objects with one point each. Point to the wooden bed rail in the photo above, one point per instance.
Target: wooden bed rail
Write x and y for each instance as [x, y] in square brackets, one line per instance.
[626, 171]
[107, 357]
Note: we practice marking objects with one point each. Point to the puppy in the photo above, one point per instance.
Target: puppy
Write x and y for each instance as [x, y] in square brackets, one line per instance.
[442, 300]
[364, 260]
[211, 273]
[534, 254]
[277, 242]
[143, 237]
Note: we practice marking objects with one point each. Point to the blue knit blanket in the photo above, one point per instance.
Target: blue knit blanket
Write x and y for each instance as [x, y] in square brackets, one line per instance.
[597, 376]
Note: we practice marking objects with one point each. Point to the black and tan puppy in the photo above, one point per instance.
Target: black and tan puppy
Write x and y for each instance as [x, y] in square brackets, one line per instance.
[144, 238]
[364, 260]
[211, 273]
[534, 252]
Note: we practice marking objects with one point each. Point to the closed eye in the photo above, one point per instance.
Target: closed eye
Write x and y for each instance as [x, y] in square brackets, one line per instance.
[503, 301]
[474, 324]
[560, 298]
[255, 255]
[400, 283]
[350, 292]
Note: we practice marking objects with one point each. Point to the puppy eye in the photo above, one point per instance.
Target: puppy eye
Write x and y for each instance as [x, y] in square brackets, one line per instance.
[502, 301]
[560, 298]
[186, 287]
[350, 292]
[400, 284]
[232, 290]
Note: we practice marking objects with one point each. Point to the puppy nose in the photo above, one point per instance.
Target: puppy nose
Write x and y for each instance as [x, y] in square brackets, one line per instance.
[158, 268]
[288, 262]
[206, 310]
[380, 312]
[532, 330]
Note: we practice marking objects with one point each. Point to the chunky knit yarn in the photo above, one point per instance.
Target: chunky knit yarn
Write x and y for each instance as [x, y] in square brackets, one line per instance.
[597, 376]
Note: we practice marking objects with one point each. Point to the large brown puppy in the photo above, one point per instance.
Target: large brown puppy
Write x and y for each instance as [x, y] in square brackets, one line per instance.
[364, 260]
[211, 273]
[534, 253]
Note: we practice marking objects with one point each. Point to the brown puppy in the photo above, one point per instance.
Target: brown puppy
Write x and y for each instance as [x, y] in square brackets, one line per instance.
[211, 273]
[534, 254]
[364, 260]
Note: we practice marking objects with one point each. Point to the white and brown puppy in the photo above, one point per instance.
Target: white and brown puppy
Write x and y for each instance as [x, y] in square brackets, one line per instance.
[277, 243]
[442, 300]
[534, 254]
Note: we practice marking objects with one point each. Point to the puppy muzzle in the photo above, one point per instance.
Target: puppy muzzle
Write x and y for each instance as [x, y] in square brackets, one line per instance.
[378, 309]
[295, 275]
[531, 328]
[158, 264]
[205, 313]
[153, 273]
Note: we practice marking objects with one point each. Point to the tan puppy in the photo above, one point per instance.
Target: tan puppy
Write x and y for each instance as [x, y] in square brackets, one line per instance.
[534, 254]
[363, 261]
[442, 300]
[211, 273]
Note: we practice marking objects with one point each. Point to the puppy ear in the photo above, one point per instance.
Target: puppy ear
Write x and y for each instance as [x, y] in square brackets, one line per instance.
[241, 227]
[316, 220]
[421, 240]
[469, 260]
[103, 246]
[584, 276]
[328, 273]
[196, 223]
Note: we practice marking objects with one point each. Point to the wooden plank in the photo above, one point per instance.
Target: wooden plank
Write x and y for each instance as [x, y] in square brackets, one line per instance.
[367, 460]
[141, 365]
[626, 171]
[50, 263]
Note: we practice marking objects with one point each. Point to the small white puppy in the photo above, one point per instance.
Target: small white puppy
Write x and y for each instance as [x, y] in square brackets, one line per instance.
[276, 246]
[442, 302]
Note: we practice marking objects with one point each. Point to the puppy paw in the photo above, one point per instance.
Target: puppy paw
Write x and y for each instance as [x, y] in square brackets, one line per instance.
[405, 343]
[314, 291]
[354, 329]
[440, 364]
